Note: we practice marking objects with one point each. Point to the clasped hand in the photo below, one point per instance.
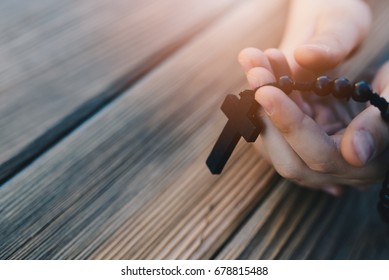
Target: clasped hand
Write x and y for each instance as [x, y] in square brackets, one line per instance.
[319, 142]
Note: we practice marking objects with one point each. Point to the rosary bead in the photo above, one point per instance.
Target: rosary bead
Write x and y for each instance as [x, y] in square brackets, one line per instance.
[362, 92]
[322, 86]
[342, 88]
[285, 83]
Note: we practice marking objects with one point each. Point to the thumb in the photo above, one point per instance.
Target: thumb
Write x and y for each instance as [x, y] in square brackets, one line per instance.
[367, 136]
[339, 30]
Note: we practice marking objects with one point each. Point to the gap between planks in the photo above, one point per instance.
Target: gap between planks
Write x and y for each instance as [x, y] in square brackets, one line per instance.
[138, 66]
[90, 179]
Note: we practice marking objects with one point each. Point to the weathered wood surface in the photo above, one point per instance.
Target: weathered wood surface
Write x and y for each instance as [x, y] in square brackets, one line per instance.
[130, 181]
[151, 140]
[61, 61]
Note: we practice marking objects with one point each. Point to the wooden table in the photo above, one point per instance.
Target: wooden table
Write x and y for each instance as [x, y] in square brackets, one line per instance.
[108, 111]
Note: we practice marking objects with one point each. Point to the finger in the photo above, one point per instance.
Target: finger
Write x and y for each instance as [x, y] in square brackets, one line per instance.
[290, 166]
[251, 57]
[367, 136]
[279, 66]
[281, 155]
[381, 80]
[259, 76]
[327, 119]
[305, 136]
[339, 30]
[330, 111]
[278, 63]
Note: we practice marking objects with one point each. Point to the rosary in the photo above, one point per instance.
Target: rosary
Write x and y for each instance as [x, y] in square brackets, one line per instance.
[242, 120]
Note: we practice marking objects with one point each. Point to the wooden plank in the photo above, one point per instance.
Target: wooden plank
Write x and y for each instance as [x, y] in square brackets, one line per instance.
[163, 230]
[139, 164]
[63, 61]
[318, 227]
[346, 231]
[262, 215]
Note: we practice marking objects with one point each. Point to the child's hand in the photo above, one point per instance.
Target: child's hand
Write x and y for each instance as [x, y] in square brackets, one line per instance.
[316, 141]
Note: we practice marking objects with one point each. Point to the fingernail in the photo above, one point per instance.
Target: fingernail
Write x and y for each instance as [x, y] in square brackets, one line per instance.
[253, 80]
[317, 47]
[332, 190]
[267, 106]
[364, 145]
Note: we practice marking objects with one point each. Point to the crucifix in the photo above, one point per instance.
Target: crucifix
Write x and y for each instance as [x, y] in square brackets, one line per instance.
[242, 122]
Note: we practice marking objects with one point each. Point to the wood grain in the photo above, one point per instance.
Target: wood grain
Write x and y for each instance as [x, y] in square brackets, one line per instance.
[61, 62]
[126, 179]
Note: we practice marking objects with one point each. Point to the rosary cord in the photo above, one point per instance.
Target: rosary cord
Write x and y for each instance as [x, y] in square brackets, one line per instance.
[383, 204]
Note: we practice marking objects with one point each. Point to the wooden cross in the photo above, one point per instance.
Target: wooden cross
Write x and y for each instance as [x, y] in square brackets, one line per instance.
[242, 122]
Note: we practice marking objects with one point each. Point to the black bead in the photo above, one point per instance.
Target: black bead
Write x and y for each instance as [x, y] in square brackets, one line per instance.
[285, 83]
[323, 86]
[342, 88]
[362, 92]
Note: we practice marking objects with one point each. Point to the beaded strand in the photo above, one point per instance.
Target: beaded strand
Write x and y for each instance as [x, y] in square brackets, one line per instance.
[342, 88]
